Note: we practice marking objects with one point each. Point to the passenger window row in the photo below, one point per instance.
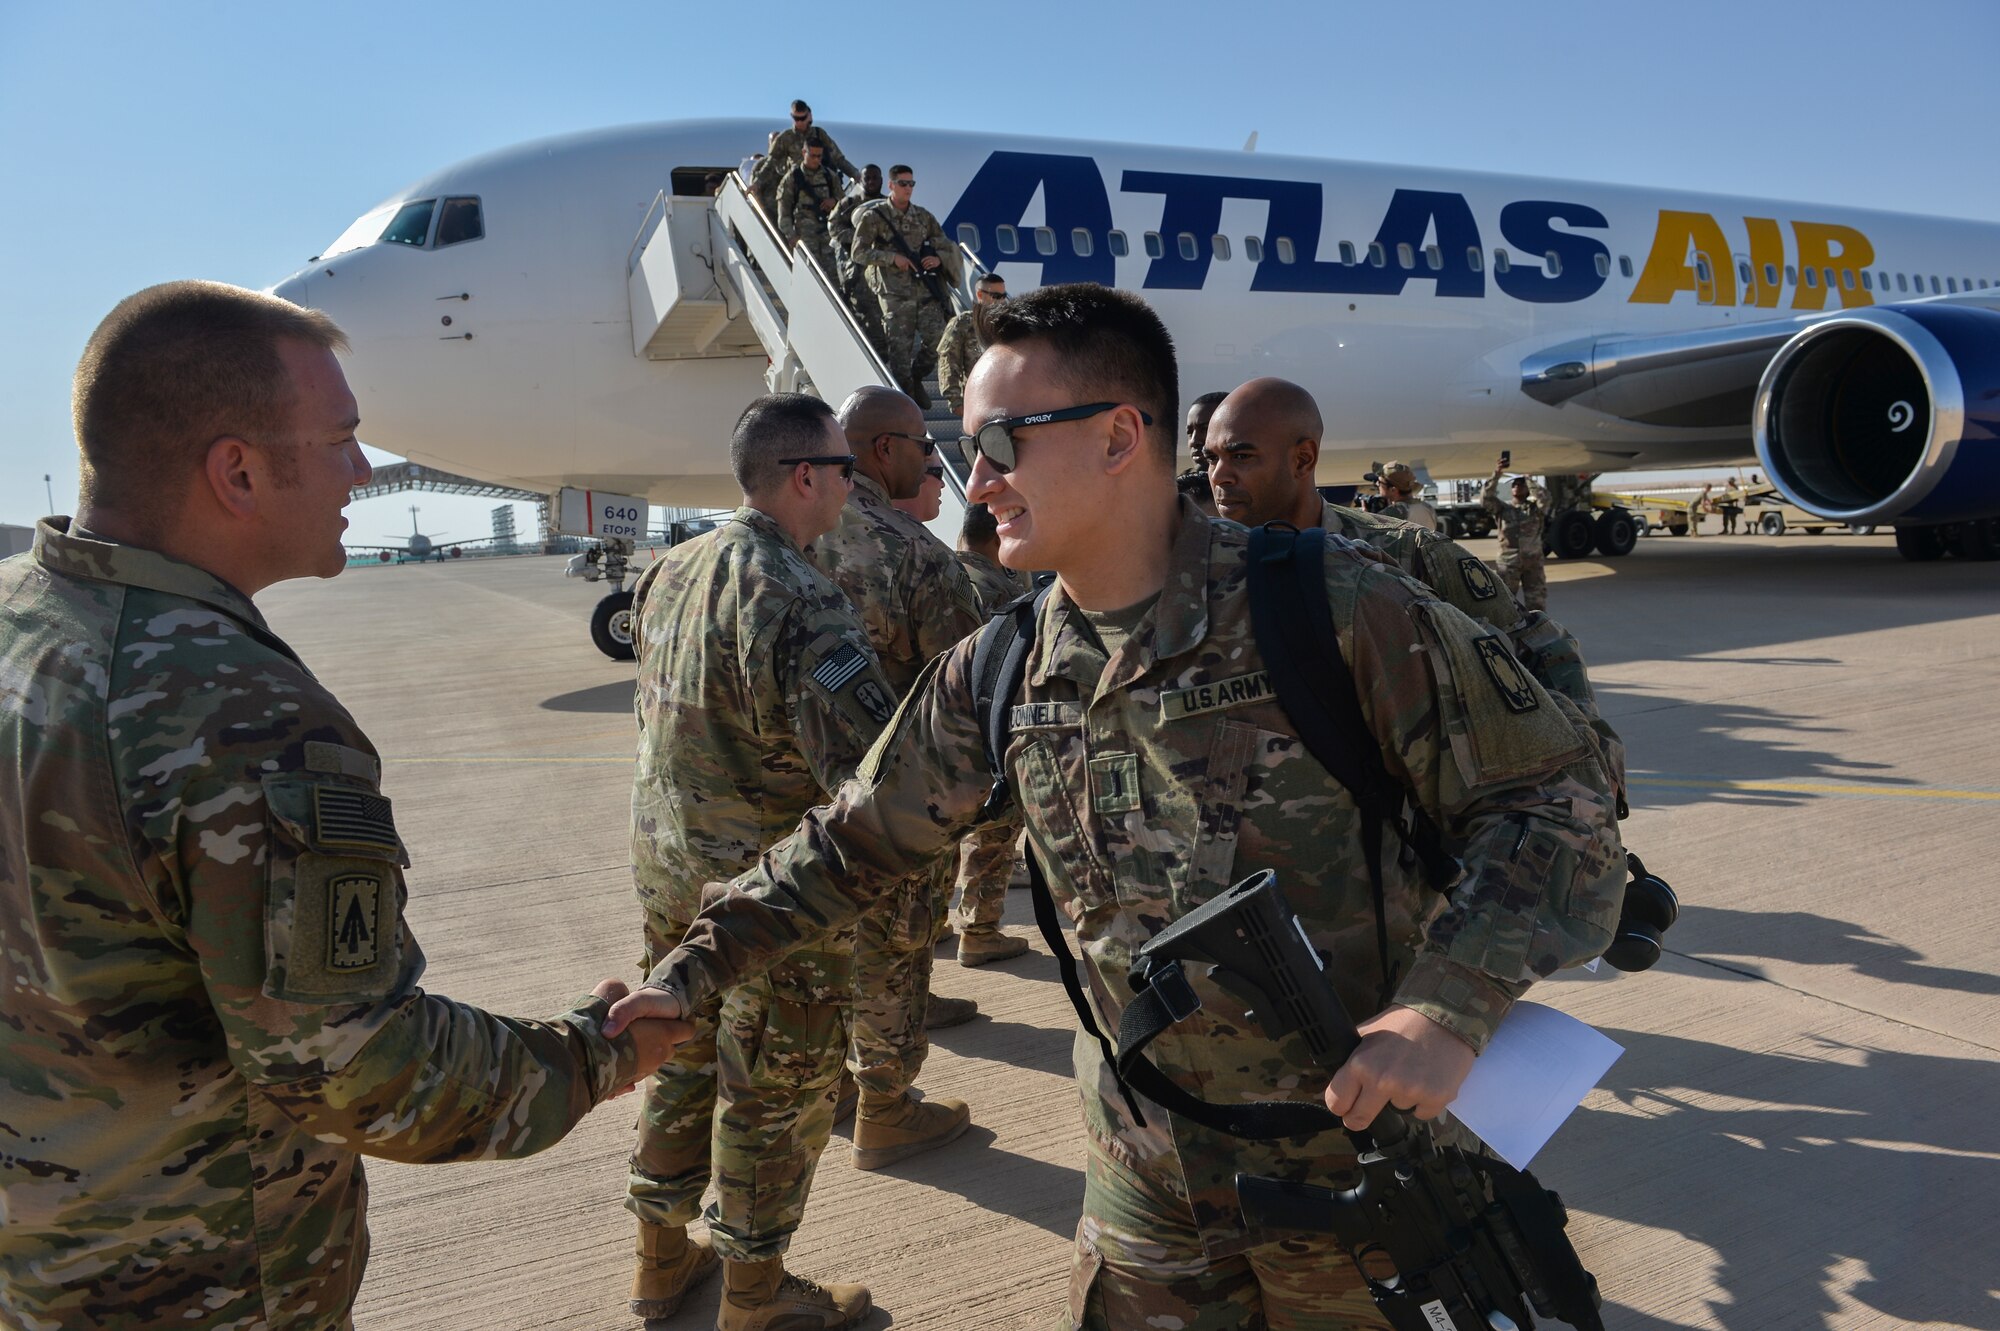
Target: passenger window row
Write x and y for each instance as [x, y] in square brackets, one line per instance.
[1083, 243]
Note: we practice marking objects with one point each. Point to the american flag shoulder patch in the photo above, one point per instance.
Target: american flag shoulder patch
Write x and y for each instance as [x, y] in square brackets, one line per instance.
[842, 665]
[358, 819]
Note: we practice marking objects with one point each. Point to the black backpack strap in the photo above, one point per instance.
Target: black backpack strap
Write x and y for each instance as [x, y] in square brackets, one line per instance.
[999, 664]
[1293, 622]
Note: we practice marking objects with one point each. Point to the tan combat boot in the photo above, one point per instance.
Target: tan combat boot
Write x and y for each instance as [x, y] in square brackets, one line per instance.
[892, 1128]
[670, 1264]
[940, 1011]
[763, 1296]
[981, 943]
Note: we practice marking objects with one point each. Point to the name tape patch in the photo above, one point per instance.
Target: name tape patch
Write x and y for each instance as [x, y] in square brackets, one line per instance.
[1030, 715]
[1178, 703]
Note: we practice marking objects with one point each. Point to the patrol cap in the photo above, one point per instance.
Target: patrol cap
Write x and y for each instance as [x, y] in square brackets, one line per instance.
[1399, 474]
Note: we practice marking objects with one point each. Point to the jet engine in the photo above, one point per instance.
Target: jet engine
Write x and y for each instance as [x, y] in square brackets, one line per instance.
[1887, 414]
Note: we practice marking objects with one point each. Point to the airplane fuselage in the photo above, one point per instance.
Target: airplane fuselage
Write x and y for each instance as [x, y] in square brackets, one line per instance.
[1405, 298]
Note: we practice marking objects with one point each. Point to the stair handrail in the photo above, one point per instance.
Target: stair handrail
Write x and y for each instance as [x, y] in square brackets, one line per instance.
[658, 205]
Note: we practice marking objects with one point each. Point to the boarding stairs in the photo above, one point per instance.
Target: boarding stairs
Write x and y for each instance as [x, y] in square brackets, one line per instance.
[711, 278]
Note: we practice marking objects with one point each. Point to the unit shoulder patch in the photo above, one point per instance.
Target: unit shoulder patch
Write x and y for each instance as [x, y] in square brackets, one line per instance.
[1479, 580]
[353, 907]
[1516, 689]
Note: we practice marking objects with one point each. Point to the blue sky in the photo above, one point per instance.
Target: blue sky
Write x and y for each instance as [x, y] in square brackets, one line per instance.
[140, 143]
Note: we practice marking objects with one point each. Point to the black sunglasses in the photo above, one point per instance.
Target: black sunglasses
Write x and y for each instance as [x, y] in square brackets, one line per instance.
[844, 461]
[936, 469]
[929, 444]
[994, 440]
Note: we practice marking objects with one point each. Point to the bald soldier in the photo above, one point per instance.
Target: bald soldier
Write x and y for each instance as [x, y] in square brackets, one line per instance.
[758, 694]
[914, 601]
[1263, 452]
[1144, 797]
[214, 1007]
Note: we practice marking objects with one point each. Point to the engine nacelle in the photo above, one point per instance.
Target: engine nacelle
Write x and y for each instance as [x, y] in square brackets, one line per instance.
[1887, 414]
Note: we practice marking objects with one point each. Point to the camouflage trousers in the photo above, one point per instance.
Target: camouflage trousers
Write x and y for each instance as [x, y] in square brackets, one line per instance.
[1526, 578]
[867, 309]
[1140, 1262]
[912, 323]
[821, 249]
[893, 949]
[747, 1103]
[986, 863]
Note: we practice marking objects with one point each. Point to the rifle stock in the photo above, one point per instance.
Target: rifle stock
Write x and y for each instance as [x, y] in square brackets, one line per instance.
[1447, 1240]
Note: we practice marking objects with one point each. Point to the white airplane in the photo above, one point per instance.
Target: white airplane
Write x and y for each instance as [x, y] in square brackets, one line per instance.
[503, 326]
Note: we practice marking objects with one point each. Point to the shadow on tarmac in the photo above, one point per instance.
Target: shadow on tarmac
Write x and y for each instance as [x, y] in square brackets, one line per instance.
[1897, 1149]
[1726, 937]
[613, 697]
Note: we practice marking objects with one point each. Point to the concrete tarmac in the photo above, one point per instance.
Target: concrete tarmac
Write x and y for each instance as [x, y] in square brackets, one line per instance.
[1799, 1135]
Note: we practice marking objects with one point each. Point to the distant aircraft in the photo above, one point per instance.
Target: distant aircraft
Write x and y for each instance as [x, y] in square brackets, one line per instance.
[417, 546]
[503, 324]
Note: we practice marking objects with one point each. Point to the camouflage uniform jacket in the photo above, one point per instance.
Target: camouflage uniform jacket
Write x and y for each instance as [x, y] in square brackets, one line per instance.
[958, 349]
[800, 192]
[840, 222]
[1519, 526]
[758, 694]
[913, 596]
[212, 1005]
[874, 250]
[993, 582]
[1454, 574]
[788, 149]
[1151, 781]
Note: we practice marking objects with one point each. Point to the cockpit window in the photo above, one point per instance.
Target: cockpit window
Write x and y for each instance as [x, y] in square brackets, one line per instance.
[459, 219]
[412, 225]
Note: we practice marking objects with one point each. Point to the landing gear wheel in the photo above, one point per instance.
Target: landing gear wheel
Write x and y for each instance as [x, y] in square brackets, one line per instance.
[1920, 545]
[1861, 528]
[1772, 524]
[1616, 533]
[1572, 535]
[611, 626]
[1979, 539]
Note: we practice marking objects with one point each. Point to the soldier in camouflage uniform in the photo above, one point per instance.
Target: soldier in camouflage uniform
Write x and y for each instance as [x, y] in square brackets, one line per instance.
[1521, 525]
[1262, 483]
[960, 346]
[853, 281]
[889, 245]
[807, 196]
[758, 694]
[914, 601]
[213, 1006]
[987, 859]
[787, 148]
[1147, 788]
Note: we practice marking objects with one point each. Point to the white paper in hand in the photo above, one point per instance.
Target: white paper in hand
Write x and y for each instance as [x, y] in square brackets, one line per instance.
[1536, 1070]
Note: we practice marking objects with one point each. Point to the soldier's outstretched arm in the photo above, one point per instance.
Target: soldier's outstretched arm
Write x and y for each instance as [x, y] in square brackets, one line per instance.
[289, 888]
[835, 158]
[919, 789]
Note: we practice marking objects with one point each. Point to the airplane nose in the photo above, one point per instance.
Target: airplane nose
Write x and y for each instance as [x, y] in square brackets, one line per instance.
[293, 289]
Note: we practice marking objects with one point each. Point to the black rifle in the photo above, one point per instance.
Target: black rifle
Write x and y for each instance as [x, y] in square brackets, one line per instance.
[916, 258]
[1448, 1240]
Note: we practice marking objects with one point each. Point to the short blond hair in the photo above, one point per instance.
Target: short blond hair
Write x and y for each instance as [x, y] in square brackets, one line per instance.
[174, 368]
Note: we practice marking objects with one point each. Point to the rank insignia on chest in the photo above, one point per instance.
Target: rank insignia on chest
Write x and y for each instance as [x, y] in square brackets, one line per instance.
[352, 902]
[1114, 783]
[1512, 681]
[1479, 579]
[1198, 698]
